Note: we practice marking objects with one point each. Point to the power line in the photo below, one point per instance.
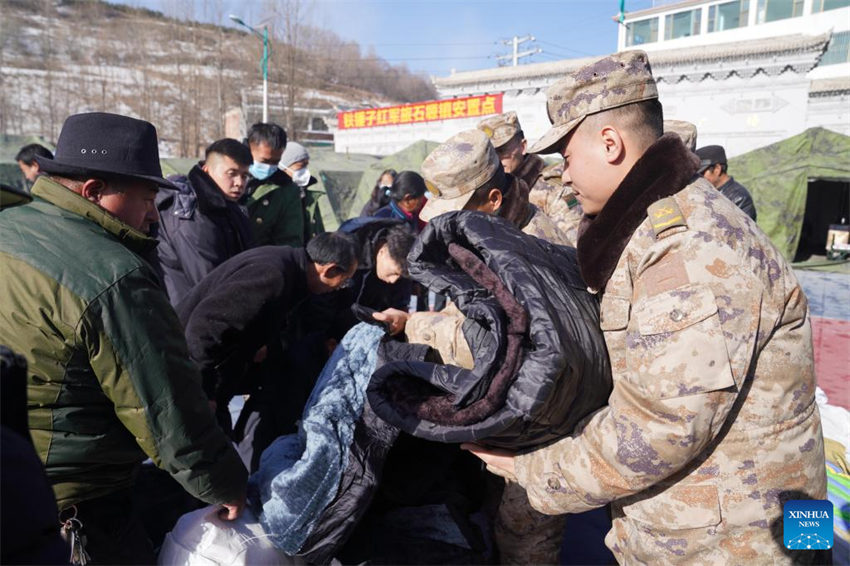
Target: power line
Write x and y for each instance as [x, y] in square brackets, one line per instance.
[563, 48]
[441, 58]
[431, 44]
[557, 53]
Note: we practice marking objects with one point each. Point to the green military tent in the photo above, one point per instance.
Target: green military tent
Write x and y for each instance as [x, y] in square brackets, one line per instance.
[408, 159]
[339, 175]
[347, 179]
[176, 165]
[800, 186]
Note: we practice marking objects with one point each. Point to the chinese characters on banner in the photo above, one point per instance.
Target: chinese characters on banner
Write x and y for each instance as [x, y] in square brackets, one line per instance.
[468, 107]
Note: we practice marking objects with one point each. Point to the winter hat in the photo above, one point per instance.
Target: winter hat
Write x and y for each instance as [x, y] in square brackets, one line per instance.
[293, 153]
[614, 81]
[455, 169]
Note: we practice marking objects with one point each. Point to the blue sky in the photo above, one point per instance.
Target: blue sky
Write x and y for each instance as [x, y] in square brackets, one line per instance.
[436, 36]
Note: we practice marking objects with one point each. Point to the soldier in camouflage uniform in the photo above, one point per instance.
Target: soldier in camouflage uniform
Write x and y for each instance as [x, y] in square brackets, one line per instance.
[544, 183]
[712, 422]
[557, 201]
[466, 173]
[685, 130]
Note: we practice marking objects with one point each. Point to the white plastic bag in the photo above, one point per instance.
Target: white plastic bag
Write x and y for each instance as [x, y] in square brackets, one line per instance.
[201, 538]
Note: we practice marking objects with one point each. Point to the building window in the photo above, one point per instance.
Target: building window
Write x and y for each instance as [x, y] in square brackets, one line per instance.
[824, 5]
[642, 31]
[683, 24]
[729, 15]
[772, 10]
[838, 50]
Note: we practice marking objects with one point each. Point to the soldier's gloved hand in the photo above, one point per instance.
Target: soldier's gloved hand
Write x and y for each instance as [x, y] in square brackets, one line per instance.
[397, 319]
[499, 462]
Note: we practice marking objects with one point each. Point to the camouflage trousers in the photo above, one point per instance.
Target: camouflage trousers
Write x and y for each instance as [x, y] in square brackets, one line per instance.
[524, 535]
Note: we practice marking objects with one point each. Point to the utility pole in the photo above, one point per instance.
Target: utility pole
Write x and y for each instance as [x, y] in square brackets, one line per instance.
[516, 56]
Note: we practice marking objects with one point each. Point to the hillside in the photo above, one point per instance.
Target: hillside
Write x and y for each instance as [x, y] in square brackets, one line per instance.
[62, 57]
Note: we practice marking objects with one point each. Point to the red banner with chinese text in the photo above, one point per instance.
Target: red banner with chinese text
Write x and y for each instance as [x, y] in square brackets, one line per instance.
[417, 112]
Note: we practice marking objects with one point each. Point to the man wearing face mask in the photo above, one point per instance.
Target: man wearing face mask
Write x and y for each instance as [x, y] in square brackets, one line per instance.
[295, 161]
[272, 198]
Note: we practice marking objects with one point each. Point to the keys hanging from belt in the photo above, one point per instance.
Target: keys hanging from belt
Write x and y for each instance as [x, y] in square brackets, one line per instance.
[71, 532]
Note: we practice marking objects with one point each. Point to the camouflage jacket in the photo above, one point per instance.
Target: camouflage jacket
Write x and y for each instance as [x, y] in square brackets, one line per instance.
[541, 226]
[557, 201]
[712, 420]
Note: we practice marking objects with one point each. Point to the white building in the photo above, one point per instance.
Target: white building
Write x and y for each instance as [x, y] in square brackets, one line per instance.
[747, 72]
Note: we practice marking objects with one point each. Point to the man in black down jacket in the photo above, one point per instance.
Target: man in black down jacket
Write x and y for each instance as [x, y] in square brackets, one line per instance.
[713, 167]
[233, 319]
[319, 323]
[202, 225]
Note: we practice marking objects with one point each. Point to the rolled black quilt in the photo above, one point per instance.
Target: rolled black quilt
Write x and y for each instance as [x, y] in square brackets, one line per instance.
[540, 359]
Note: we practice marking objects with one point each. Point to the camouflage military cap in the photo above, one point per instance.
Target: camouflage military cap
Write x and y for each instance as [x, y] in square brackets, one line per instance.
[685, 130]
[501, 129]
[455, 169]
[619, 79]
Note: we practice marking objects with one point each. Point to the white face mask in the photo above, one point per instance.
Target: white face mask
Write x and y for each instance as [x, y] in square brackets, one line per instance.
[300, 177]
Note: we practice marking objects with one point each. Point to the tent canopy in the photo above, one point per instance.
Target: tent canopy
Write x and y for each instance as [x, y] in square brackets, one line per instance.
[408, 159]
[778, 175]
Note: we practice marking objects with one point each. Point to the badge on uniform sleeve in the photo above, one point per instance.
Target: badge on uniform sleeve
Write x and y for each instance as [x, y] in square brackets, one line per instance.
[665, 214]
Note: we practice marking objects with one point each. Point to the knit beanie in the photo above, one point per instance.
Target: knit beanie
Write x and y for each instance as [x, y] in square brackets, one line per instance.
[293, 153]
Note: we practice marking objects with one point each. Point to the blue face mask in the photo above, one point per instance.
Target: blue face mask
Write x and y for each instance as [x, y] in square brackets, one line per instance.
[262, 171]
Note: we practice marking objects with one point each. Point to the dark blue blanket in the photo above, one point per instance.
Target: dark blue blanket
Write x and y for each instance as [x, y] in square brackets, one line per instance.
[299, 473]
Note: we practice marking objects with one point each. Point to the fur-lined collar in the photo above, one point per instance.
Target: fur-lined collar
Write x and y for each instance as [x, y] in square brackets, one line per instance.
[662, 171]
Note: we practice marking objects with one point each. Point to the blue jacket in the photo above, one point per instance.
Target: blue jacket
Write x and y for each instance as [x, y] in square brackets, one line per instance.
[198, 230]
[392, 210]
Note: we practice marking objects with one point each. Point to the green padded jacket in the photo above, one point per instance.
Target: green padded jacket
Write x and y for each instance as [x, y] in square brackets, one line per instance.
[280, 216]
[109, 381]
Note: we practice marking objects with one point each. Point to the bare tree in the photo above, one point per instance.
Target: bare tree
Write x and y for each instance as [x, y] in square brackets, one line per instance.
[48, 123]
[291, 16]
[180, 74]
[214, 10]
[5, 83]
